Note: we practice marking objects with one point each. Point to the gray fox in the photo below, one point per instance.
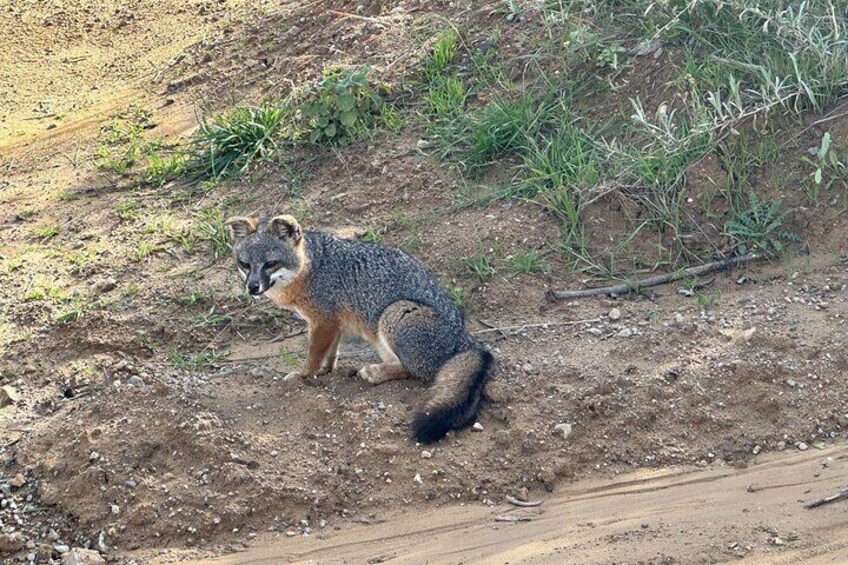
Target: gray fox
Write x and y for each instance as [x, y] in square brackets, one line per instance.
[376, 292]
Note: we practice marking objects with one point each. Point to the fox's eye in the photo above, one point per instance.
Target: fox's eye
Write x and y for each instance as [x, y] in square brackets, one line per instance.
[270, 265]
[244, 266]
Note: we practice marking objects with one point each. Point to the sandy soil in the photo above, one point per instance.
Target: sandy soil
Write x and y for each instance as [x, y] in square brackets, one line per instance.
[663, 516]
[117, 441]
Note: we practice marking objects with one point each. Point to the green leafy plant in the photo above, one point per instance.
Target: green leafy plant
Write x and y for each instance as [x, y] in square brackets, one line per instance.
[341, 107]
[760, 227]
[828, 167]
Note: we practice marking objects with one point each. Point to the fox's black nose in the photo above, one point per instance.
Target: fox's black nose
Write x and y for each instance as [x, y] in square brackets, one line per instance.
[253, 287]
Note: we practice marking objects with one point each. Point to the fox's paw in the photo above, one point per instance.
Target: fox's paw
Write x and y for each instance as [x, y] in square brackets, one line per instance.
[372, 373]
[294, 377]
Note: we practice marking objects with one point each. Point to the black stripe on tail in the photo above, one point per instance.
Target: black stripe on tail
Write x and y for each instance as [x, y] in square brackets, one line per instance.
[454, 396]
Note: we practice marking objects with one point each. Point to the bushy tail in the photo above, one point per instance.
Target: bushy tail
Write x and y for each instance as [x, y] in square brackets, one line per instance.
[454, 396]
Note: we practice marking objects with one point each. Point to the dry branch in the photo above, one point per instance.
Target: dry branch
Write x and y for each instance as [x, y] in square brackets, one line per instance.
[828, 500]
[659, 279]
[523, 503]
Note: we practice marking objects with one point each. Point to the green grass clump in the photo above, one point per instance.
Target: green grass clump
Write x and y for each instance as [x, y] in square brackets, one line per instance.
[504, 127]
[225, 145]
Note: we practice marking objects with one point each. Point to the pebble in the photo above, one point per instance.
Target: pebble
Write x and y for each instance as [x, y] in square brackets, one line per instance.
[18, 481]
[61, 548]
[679, 318]
[417, 479]
[527, 368]
[477, 427]
[8, 396]
[105, 285]
[116, 509]
[803, 446]
[564, 429]
[595, 331]
[136, 381]
[93, 456]
[426, 454]
[11, 543]
[625, 333]
[614, 314]
[79, 556]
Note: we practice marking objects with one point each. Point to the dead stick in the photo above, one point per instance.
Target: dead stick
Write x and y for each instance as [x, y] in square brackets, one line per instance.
[525, 326]
[512, 518]
[523, 503]
[659, 279]
[827, 500]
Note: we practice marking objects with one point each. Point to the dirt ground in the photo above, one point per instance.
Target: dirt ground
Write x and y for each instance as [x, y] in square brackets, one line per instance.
[699, 426]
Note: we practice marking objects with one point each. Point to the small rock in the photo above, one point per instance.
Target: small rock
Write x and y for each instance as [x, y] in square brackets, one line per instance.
[18, 480]
[93, 456]
[757, 449]
[105, 286]
[79, 556]
[595, 331]
[417, 479]
[426, 454]
[564, 429]
[136, 381]
[61, 548]
[477, 427]
[8, 396]
[11, 543]
[781, 445]
[116, 509]
[527, 368]
[625, 333]
[803, 446]
[679, 319]
[614, 314]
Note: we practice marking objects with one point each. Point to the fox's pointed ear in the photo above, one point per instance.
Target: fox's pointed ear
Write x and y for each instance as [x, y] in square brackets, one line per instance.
[286, 227]
[241, 227]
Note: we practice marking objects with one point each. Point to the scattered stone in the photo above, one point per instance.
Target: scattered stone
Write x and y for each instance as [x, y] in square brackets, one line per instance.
[93, 456]
[614, 314]
[8, 396]
[61, 548]
[426, 454]
[679, 318]
[136, 381]
[803, 446]
[477, 427]
[105, 286]
[79, 556]
[595, 331]
[18, 480]
[417, 479]
[564, 429]
[625, 333]
[527, 368]
[116, 509]
[757, 449]
[11, 543]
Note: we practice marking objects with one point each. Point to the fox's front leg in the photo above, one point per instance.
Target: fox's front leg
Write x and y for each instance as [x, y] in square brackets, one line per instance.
[323, 346]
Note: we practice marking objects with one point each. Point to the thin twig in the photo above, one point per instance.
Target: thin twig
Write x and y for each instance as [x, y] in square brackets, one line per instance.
[523, 503]
[356, 16]
[524, 326]
[513, 518]
[828, 500]
[659, 279]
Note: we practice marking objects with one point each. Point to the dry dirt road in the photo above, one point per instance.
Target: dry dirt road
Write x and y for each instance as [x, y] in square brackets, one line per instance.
[666, 516]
